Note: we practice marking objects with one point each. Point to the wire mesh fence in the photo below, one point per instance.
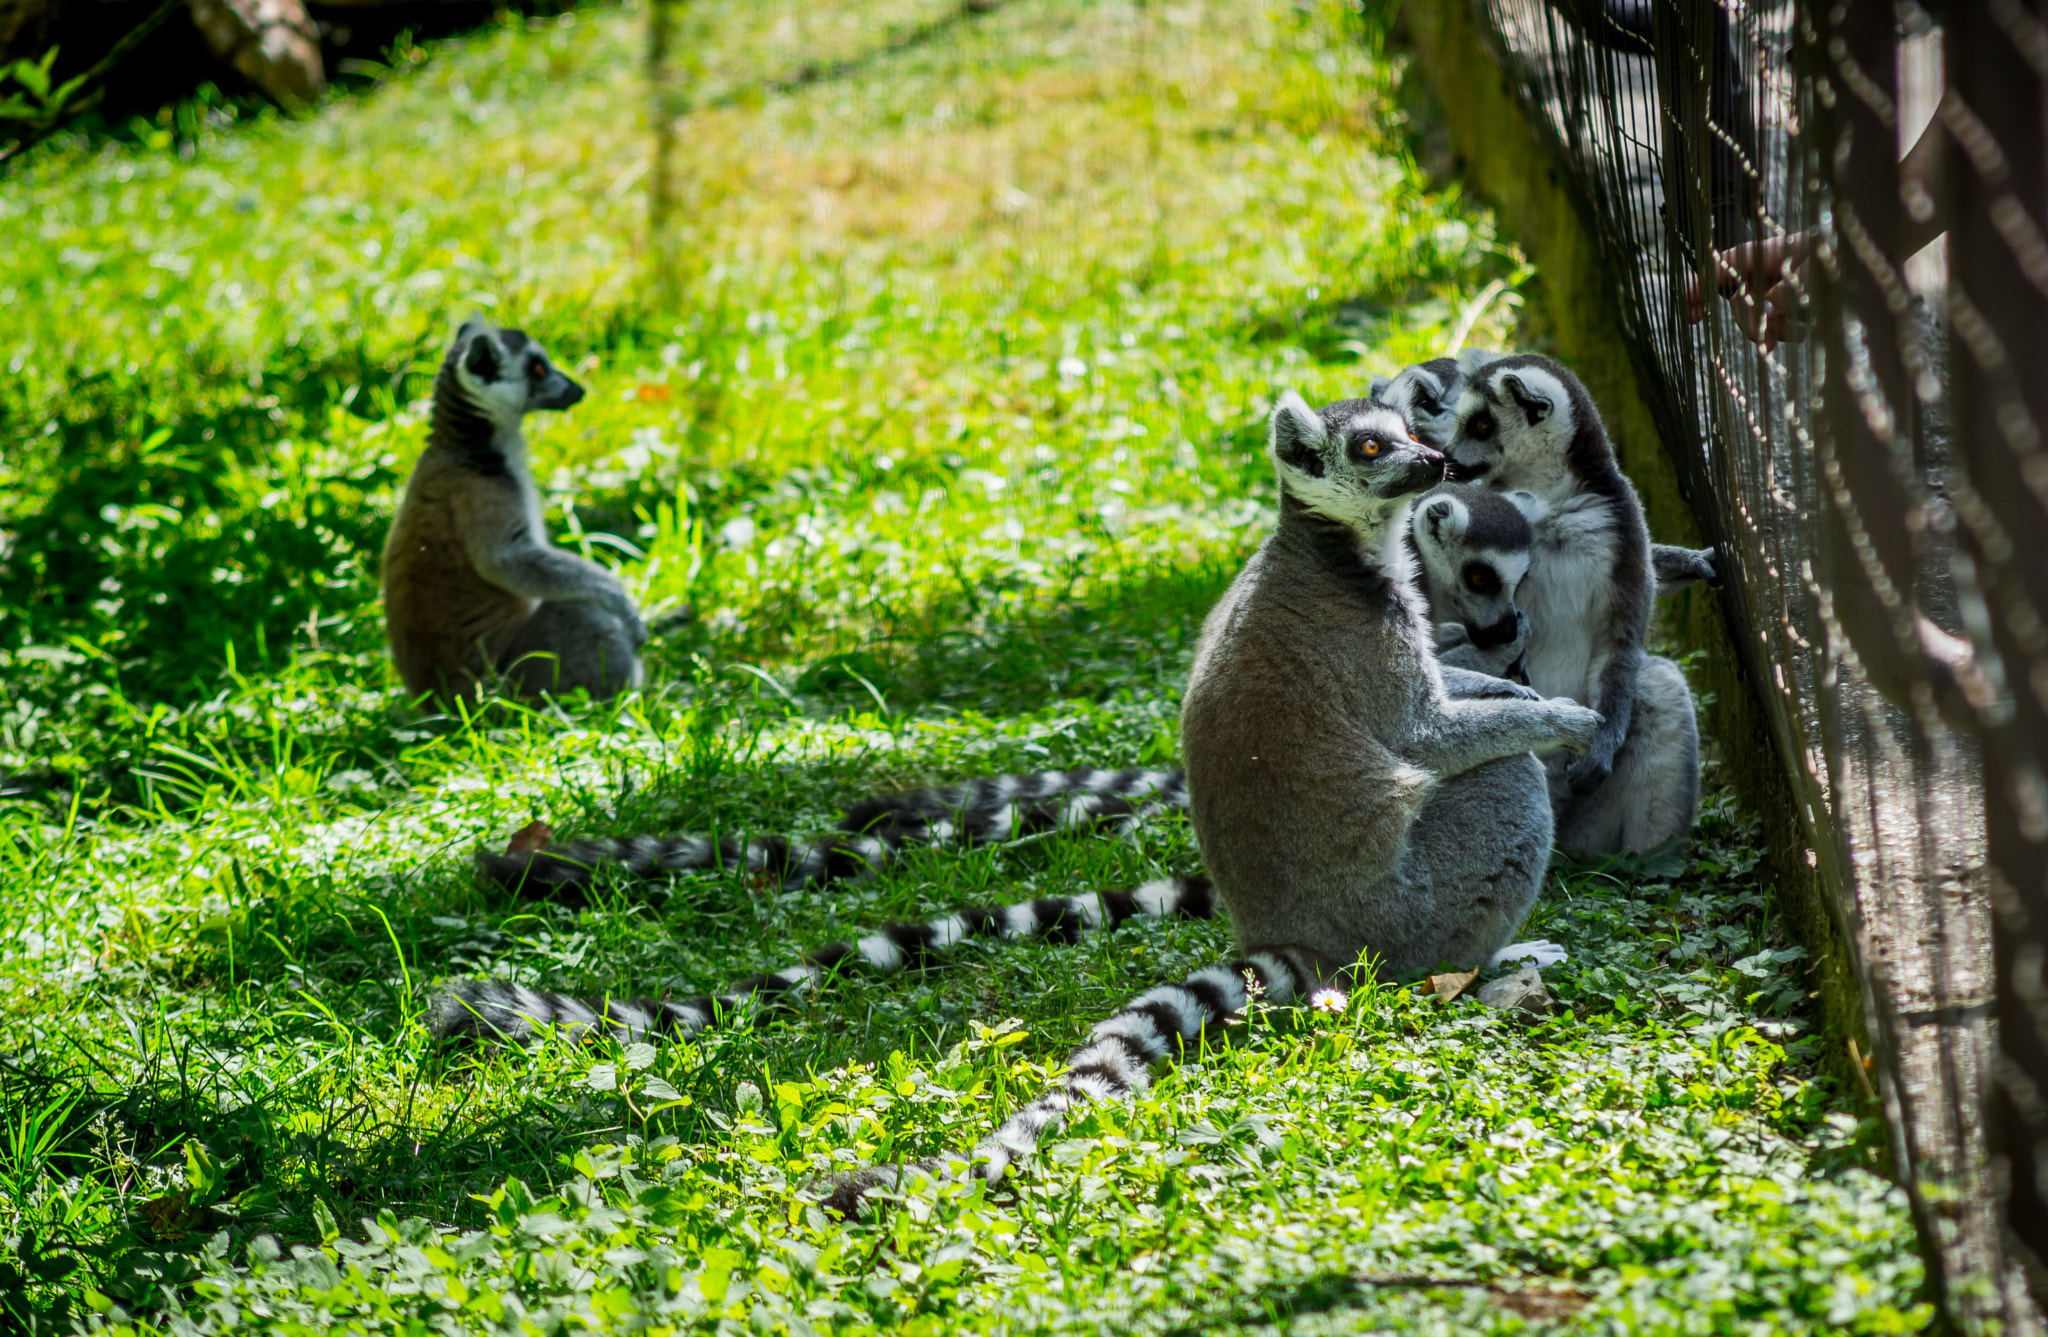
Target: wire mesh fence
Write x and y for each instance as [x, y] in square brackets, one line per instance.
[1824, 224]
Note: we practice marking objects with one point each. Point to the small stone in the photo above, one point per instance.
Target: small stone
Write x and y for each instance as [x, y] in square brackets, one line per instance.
[1522, 991]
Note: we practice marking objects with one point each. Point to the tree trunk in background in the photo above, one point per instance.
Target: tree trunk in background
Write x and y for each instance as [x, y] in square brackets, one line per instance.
[271, 43]
[24, 27]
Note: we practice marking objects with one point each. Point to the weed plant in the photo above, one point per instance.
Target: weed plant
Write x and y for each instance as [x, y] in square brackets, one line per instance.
[951, 440]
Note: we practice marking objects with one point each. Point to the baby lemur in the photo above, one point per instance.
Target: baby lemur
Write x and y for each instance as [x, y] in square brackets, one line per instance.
[473, 590]
[1474, 548]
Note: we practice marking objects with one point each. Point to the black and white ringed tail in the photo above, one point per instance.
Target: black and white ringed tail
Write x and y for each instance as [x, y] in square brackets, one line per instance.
[497, 1010]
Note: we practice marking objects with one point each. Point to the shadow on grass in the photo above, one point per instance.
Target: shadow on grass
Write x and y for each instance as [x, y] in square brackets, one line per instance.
[997, 648]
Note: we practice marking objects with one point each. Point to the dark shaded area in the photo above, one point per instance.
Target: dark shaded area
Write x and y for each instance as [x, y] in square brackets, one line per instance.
[172, 82]
[1276, 1304]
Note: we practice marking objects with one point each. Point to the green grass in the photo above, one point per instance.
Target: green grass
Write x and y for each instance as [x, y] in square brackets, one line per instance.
[950, 441]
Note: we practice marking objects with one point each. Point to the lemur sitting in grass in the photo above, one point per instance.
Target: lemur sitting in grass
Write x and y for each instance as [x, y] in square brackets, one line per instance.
[473, 591]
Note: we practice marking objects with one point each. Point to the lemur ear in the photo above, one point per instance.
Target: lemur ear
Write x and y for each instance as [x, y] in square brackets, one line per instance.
[1528, 503]
[1298, 435]
[1534, 406]
[1379, 383]
[1472, 359]
[481, 361]
[476, 324]
[1447, 517]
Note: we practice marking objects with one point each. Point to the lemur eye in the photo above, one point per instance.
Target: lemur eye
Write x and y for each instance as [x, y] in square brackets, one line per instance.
[537, 368]
[1481, 580]
[1482, 426]
[1372, 446]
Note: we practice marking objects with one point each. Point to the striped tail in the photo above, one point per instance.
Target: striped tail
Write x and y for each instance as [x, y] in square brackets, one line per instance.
[1115, 1064]
[872, 833]
[495, 1010]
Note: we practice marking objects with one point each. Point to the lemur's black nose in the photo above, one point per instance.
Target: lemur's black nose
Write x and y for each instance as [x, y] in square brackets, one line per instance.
[1500, 633]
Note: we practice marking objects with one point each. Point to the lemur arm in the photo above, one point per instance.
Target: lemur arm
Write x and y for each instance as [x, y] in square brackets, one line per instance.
[1676, 568]
[1617, 709]
[506, 552]
[1464, 734]
[1464, 684]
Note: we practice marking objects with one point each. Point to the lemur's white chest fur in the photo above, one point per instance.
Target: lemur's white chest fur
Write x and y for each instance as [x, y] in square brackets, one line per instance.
[1569, 587]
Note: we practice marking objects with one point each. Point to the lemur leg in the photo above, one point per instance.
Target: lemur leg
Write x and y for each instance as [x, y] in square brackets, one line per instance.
[1474, 864]
[568, 645]
[1617, 697]
[1650, 798]
[1115, 1064]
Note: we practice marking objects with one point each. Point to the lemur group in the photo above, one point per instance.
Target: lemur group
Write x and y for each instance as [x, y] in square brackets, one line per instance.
[1431, 673]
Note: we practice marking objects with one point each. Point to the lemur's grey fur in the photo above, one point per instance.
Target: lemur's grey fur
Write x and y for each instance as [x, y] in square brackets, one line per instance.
[1427, 395]
[1475, 547]
[472, 587]
[1526, 424]
[1345, 804]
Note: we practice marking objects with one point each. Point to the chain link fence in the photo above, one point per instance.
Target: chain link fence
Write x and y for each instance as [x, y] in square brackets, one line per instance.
[1824, 223]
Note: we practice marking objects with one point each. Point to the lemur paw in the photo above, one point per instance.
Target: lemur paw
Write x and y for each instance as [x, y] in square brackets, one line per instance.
[1504, 689]
[1576, 727]
[1588, 773]
[1450, 635]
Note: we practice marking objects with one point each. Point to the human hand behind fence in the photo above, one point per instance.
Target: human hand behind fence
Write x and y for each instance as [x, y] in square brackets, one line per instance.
[1761, 279]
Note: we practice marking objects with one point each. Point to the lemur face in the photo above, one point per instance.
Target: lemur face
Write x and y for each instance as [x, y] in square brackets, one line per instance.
[507, 374]
[1352, 461]
[1474, 545]
[1426, 394]
[1514, 424]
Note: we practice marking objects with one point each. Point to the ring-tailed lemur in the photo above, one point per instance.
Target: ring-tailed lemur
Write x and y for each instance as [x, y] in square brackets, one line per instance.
[472, 587]
[1345, 804]
[1526, 424]
[1427, 395]
[1474, 547]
